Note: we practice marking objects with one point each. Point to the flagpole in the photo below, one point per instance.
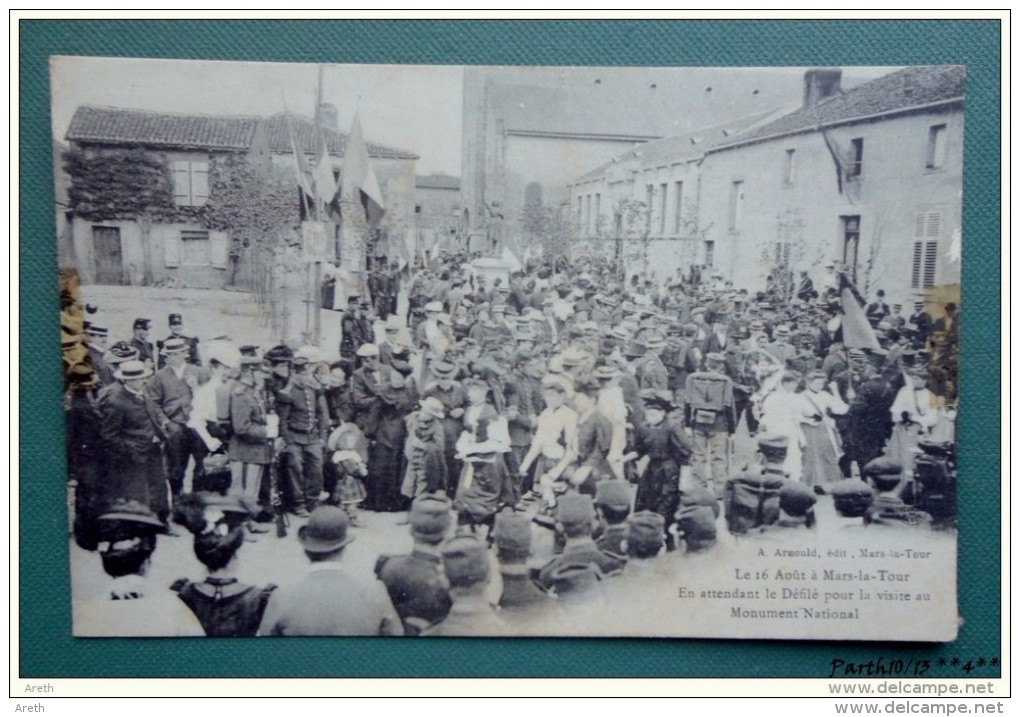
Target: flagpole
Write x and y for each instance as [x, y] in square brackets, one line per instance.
[317, 266]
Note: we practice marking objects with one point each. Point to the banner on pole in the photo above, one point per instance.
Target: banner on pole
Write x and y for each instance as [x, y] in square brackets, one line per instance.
[315, 238]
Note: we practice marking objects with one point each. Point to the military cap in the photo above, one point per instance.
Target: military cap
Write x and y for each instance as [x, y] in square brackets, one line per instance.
[815, 374]
[120, 352]
[93, 330]
[851, 497]
[326, 530]
[130, 370]
[757, 325]
[279, 354]
[575, 509]
[465, 561]
[715, 357]
[698, 525]
[645, 531]
[612, 494]
[512, 532]
[368, 350]
[175, 346]
[430, 517]
[175, 320]
[796, 499]
[248, 350]
[782, 330]
[141, 324]
[244, 360]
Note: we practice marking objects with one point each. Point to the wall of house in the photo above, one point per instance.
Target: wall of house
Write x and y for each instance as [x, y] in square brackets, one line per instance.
[440, 212]
[804, 210]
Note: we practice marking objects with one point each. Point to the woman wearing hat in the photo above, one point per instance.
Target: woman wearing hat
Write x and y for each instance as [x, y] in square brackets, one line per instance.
[426, 470]
[781, 413]
[822, 447]
[485, 482]
[665, 448]
[224, 606]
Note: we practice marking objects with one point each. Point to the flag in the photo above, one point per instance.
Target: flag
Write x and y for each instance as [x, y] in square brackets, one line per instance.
[300, 162]
[357, 180]
[325, 182]
[857, 331]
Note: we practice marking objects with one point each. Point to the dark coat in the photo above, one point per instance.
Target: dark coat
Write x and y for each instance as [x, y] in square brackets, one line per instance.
[248, 443]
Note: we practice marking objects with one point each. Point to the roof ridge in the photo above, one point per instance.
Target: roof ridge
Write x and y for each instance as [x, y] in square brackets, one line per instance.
[208, 115]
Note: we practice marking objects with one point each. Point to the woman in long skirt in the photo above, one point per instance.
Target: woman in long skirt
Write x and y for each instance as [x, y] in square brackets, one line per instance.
[822, 449]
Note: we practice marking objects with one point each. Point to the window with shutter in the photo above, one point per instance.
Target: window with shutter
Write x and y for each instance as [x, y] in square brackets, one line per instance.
[195, 248]
[219, 249]
[191, 182]
[927, 231]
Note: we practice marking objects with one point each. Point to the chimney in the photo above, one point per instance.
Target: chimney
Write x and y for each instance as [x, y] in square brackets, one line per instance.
[820, 84]
[326, 116]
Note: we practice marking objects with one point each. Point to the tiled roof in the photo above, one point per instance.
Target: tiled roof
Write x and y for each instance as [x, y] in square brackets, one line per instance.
[304, 133]
[682, 147]
[108, 125]
[437, 181]
[900, 91]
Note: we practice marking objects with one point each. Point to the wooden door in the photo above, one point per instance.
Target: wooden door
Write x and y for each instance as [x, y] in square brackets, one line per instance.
[107, 252]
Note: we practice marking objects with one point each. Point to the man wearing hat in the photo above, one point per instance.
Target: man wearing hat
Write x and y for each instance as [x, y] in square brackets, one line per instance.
[96, 343]
[84, 451]
[575, 518]
[468, 573]
[140, 341]
[355, 327]
[131, 606]
[922, 322]
[117, 354]
[429, 335]
[224, 359]
[414, 581]
[448, 391]
[172, 388]
[133, 431]
[250, 405]
[649, 369]
[304, 425]
[781, 349]
[554, 445]
[329, 600]
[177, 332]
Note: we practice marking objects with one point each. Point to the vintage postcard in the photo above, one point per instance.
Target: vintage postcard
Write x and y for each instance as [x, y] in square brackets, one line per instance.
[510, 351]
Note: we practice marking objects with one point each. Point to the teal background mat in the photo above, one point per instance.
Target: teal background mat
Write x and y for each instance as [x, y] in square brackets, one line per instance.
[46, 647]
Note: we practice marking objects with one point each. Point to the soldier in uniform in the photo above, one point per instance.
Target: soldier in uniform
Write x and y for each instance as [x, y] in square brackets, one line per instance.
[710, 413]
[140, 342]
[414, 581]
[355, 328]
[177, 332]
[250, 441]
[781, 349]
[521, 595]
[649, 370]
[575, 517]
[467, 569]
[304, 425]
[612, 504]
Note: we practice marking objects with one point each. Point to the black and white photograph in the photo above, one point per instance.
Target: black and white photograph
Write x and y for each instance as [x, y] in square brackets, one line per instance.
[476, 351]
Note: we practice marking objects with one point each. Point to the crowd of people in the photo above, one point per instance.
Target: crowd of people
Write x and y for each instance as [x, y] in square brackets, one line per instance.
[564, 397]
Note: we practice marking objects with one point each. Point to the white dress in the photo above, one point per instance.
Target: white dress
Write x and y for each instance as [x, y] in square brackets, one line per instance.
[781, 414]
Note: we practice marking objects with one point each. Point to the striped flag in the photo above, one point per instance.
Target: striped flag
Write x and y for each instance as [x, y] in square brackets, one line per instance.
[300, 162]
[357, 180]
[857, 331]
